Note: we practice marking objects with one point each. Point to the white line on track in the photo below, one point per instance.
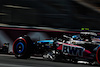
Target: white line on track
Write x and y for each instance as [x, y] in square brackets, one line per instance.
[13, 65]
[7, 55]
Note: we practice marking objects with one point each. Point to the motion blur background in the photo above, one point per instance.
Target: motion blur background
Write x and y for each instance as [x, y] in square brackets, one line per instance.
[71, 14]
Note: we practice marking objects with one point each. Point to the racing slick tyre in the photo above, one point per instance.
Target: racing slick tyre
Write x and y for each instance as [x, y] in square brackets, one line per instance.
[98, 55]
[22, 47]
[51, 56]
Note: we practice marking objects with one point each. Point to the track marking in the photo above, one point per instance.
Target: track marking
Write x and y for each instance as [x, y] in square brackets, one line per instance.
[13, 65]
[7, 55]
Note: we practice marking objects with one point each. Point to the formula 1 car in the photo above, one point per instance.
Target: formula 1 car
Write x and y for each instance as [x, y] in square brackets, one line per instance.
[4, 48]
[84, 46]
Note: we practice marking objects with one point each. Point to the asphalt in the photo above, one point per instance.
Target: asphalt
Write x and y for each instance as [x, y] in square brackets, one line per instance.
[11, 61]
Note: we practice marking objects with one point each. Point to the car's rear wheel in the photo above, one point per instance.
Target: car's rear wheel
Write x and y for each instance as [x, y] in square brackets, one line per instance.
[22, 47]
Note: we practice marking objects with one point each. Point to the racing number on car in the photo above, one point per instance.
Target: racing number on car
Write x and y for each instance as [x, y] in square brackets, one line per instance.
[72, 50]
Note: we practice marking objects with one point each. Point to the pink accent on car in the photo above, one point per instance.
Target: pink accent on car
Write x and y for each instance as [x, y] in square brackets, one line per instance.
[87, 51]
[60, 47]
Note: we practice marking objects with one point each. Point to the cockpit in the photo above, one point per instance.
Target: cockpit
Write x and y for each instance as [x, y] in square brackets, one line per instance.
[87, 36]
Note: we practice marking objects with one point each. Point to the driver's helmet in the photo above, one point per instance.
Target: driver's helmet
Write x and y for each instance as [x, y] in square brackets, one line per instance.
[75, 37]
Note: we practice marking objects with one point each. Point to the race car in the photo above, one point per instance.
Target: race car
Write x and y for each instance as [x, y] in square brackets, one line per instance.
[84, 46]
[4, 48]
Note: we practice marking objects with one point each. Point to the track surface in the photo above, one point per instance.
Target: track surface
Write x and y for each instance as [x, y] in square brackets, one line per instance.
[11, 61]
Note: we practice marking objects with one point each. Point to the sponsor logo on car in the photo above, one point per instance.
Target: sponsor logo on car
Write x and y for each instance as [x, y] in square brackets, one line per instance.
[73, 50]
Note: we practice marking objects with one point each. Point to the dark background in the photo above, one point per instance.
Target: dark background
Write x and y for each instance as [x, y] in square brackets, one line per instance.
[51, 13]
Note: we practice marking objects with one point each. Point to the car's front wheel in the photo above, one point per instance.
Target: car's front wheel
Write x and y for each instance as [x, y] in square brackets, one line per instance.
[98, 55]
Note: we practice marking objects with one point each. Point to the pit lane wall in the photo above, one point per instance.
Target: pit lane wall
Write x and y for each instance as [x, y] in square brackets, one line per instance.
[8, 34]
